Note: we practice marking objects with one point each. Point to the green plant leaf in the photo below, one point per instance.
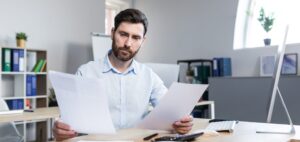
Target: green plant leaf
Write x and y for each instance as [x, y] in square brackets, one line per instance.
[21, 35]
[266, 21]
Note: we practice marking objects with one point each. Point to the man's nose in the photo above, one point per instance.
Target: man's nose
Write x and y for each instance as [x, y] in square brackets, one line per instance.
[128, 42]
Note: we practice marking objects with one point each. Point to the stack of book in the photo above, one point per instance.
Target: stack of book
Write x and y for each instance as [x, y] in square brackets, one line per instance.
[34, 64]
[15, 104]
[13, 60]
[31, 82]
[201, 74]
[40, 66]
[222, 66]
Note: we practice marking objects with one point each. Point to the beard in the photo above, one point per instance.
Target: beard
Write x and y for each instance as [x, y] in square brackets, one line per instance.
[123, 53]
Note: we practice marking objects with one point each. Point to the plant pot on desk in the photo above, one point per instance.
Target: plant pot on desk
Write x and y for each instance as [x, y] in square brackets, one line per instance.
[267, 41]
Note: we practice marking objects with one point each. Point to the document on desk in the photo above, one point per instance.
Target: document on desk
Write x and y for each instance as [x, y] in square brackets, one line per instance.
[83, 103]
[178, 102]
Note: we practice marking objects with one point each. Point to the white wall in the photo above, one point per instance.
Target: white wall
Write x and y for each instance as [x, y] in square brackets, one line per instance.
[179, 29]
[193, 29]
[187, 29]
[62, 27]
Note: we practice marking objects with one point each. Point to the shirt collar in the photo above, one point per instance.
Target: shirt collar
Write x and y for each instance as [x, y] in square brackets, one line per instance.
[108, 66]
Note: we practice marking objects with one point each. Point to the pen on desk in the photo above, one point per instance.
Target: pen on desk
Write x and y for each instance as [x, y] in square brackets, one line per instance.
[150, 136]
[82, 134]
[28, 110]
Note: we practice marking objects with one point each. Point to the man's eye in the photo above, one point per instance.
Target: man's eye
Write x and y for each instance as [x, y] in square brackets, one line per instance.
[123, 34]
[136, 38]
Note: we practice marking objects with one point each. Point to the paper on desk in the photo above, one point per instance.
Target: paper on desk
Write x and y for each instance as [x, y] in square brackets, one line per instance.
[178, 102]
[82, 103]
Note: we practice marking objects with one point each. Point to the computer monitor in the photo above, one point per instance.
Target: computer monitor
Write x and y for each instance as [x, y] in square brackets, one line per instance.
[275, 89]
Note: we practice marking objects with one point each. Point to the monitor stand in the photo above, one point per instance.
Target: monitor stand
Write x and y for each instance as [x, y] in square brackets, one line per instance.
[292, 128]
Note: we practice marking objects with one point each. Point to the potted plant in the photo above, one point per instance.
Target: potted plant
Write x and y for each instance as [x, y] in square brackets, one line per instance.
[267, 23]
[21, 39]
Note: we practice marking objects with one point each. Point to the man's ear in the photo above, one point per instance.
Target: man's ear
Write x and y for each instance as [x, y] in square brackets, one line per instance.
[112, 33]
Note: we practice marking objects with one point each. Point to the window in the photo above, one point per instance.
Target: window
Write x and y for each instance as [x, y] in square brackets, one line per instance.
[248, 31]
[112, 8]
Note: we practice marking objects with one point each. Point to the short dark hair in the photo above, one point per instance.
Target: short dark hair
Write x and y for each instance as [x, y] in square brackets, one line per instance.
[132, 16]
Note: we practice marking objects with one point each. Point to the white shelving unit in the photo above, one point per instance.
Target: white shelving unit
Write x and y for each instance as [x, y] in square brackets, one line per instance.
[13, 87]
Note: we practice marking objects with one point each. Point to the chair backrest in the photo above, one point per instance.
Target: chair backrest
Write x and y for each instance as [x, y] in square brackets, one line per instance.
[8, 130]
[167, 72]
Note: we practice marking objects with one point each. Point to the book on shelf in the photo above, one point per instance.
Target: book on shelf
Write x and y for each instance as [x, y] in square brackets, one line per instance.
[215, 67]
[31, 85]
[222, 66]
[15, 104]
[43, 69]
[31, 60]
[201, 73]
[38, 66]
[6, 60]
[15, 60]
[12, 60]
[21, 60]
[28, 85]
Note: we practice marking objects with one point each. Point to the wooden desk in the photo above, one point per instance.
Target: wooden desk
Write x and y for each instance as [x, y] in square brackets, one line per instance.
[244, 132]
[39, 113]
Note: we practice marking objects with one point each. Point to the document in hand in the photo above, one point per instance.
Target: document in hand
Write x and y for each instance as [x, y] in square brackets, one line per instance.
[82, 103]
[178, 102]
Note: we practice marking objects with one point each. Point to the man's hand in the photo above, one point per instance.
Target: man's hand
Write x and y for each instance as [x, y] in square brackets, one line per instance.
[184, 125]
[62, 131]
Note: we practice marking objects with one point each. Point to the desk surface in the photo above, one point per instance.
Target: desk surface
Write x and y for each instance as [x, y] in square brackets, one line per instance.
[39, 113]
[244, 132]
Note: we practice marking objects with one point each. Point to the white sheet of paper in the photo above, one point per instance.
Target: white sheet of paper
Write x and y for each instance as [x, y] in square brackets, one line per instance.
[82, 103]
[178, 102]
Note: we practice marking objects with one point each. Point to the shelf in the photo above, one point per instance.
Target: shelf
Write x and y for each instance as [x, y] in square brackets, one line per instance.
[11, 47]
[36, 50]
[34, 121]
[19, 122]
[18, 81]
[12, 73]
[37, 73]
[12, 98]
[37, 96]
[193, 61]
[21, 73]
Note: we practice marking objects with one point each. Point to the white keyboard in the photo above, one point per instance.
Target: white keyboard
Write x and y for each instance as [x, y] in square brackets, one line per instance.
[222, 126]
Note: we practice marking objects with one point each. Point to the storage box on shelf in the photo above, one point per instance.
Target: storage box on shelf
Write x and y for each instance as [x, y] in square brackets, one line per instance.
[23, 85]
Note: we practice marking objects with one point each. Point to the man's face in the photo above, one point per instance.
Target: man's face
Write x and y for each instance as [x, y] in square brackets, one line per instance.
[127, 40]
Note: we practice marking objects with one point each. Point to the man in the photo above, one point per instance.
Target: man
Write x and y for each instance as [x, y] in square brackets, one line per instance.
[131, 86]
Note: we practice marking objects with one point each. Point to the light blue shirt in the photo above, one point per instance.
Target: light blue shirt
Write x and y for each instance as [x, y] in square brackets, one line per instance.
[129, 93]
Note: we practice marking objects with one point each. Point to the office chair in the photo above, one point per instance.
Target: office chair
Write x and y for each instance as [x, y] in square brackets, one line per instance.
[8, 130]
[168, 73]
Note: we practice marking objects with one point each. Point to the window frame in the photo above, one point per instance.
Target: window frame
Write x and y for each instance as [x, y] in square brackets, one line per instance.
[244, 25]
[117, 6]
